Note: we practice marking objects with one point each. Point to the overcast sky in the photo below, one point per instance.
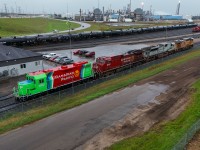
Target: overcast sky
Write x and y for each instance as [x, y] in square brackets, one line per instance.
[188, 7]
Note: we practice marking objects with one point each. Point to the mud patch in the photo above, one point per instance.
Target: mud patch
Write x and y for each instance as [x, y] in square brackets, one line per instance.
[139, 121]
[170, 105]
[194, 144]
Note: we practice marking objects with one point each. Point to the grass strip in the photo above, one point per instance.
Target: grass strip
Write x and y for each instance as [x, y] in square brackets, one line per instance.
[24, 26]
[101, 26]
[20, 119]
[166, 134]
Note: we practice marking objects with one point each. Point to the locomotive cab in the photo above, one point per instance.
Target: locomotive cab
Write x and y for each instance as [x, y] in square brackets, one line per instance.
[166, 47]
[101, 64]
[24, 88]
[189, 42]
[34, 84]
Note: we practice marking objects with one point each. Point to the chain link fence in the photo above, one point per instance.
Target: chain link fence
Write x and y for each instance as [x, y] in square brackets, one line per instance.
[181, 145]
[73, 89]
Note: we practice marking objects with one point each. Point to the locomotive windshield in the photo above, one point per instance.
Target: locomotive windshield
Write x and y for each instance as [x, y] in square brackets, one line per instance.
[101, 61]
[30, 78]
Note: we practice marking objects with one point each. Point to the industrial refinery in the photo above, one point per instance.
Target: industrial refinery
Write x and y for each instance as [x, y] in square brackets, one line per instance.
[125, 14]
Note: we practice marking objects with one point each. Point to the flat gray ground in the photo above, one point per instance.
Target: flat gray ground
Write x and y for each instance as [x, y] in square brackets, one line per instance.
[72, 128]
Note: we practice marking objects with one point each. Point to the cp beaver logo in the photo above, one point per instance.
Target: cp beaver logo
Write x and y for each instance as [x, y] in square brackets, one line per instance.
[76, 73]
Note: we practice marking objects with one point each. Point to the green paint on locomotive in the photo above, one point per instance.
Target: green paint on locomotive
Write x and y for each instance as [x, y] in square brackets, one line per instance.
[33, 85]
[38, 83]
[87, 71]
[50, 80]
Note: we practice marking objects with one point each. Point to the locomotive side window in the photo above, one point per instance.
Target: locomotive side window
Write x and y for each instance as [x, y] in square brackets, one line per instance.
[101, 61]
[41, 81]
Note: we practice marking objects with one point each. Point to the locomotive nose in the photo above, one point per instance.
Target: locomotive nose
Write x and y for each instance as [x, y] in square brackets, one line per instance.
[95, 66]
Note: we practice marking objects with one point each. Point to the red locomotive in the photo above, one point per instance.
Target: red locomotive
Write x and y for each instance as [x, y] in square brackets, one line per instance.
[196, 29]
[108, 64]
[66, 74]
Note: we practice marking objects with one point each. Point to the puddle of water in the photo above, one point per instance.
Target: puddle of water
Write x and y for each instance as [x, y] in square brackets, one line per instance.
[146, 93]
[173, 82]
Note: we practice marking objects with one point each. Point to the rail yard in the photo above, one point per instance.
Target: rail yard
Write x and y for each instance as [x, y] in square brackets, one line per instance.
[114, 89]
[164, 79]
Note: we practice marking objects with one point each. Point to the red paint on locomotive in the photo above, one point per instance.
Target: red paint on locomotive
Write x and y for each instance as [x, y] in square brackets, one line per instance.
[104, 64]
[67, 74]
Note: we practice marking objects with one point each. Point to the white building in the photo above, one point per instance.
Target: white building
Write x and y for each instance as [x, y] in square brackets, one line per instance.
[113, 20]
[16, 61]
[128, 20]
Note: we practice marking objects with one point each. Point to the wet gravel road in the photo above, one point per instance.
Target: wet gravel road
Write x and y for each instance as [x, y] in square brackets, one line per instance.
[71, 128]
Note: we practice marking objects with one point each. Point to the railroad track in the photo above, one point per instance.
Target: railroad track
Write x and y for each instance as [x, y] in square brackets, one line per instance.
[8, 107]
[7, 100]
[10, 102]
[3, 98]
[130, 38]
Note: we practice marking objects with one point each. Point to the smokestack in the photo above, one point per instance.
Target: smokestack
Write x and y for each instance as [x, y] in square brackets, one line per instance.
[142, 4]
[178, 8]
[103, 13]
[80, 15]
[6, 10]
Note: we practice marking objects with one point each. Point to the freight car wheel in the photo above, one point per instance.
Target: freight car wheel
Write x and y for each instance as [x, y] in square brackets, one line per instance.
[22, 99]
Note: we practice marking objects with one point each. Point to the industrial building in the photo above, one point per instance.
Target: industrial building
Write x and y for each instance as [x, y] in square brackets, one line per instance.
[16, 61]
[139, 14]
[166, 17]
[114, 18]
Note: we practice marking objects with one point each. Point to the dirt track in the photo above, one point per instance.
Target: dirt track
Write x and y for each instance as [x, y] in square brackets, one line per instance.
[194, 143]
[6, 86]
[170, 105]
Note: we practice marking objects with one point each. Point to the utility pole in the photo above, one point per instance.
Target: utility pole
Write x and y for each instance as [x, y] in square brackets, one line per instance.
[6, 10]
[67, 11]
[103, 12]
[19, 10]
[150, 13]
[69, 33]
[15, 7]
[150, 10]
[80, 15]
